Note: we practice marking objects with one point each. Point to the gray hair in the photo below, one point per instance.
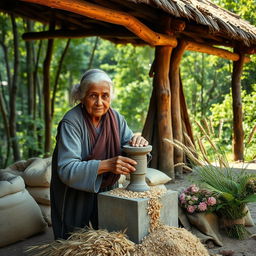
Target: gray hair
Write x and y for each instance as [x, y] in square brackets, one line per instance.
[91, 76]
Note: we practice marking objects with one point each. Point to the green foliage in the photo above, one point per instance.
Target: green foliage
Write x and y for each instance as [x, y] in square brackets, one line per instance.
[206, 82]
[222, 115]
[132, 84]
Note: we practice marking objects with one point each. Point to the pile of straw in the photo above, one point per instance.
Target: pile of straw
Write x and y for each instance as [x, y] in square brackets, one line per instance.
[171, 241]
[87, 242]
[162, 241]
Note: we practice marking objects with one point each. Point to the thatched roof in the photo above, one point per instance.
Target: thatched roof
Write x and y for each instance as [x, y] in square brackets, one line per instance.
[205, 12]
[200, 21]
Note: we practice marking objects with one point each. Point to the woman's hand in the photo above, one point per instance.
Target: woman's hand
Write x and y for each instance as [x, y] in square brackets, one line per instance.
[138, 141]
[117, 165]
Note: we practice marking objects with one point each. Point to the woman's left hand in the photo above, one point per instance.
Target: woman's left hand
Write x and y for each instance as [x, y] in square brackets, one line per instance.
[138, 141]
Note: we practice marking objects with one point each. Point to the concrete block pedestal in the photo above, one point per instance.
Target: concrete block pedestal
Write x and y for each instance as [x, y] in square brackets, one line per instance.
[117, 213]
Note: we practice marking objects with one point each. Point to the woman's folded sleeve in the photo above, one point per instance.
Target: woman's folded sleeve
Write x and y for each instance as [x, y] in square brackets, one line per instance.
[72, 170]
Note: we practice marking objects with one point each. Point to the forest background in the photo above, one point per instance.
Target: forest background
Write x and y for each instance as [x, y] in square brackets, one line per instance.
[35, 72]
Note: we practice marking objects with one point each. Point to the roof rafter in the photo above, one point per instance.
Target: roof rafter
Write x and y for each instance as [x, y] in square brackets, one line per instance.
[111, 16]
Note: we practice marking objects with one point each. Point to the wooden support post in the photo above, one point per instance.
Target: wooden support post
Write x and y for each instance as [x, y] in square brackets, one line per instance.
[184, 114]
[175, 102]
[163, 96]
[238, 136]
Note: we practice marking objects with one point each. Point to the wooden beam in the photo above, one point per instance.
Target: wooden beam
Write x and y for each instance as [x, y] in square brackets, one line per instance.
[107, 15]
[238, 133]
[197, 47]
[76, 33]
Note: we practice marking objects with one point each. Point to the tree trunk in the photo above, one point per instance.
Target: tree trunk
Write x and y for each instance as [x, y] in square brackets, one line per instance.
[238, 137]
[93, 52]
[175, 103]
[55, 88]
[47, 97]
[163, 96]
[13, 93]
[6, 127]
[38, 95]
[150, 130]
[7, 66]
[30, 91]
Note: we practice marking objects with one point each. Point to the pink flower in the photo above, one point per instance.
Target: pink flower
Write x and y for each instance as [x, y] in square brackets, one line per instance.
[194, 189]
[191, 208]
[211, 200]
[182, 196]
[202, 206]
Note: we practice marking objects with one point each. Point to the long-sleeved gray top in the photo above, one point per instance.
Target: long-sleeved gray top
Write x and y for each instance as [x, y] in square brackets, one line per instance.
[74, 146]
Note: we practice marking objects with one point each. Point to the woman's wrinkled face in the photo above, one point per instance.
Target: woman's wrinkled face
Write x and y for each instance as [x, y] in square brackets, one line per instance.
[97, 99]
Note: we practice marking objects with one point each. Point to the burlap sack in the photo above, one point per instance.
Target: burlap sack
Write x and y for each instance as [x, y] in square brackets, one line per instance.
[155, 177]
[10, 183]
[20, 218]
[46, 211]
[205, 226]
[40, 194]
[38, 173]
[18, 167]
[248, 221]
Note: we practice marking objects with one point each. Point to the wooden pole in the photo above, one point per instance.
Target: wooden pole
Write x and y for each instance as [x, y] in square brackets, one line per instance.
[163, 96]
[112, 16]
[238, 136]
[184, 114]
[62, 33]
[175, 103]
[76, 33]
[197, 47]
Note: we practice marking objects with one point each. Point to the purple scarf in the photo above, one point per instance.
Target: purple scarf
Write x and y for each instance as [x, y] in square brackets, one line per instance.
[106, 144]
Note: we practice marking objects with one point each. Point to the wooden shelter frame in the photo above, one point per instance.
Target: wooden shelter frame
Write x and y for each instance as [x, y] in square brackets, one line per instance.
[169, 117]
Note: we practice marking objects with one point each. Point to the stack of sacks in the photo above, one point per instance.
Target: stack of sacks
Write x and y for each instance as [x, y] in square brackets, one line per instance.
[37, 177]
[154, 177]
[20, 216]
[19, 167]
[36, 173]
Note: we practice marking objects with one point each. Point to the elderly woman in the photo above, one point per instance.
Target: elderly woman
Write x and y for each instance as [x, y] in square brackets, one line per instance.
[87, 157]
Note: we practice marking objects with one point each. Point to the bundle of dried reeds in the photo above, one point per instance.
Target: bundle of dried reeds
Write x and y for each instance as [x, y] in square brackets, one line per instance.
[87, 242]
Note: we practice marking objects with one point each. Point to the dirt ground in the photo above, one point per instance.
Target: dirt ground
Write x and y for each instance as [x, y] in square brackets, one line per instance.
[239, 247]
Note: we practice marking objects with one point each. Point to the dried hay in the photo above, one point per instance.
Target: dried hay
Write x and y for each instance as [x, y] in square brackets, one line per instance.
[87, 242]
[162, 240]
[171, 241]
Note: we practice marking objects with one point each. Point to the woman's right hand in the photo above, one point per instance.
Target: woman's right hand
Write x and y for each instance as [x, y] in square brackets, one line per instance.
[117, 165]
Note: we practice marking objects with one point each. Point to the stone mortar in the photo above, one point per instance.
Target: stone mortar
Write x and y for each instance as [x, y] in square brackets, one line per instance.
[138, 178]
